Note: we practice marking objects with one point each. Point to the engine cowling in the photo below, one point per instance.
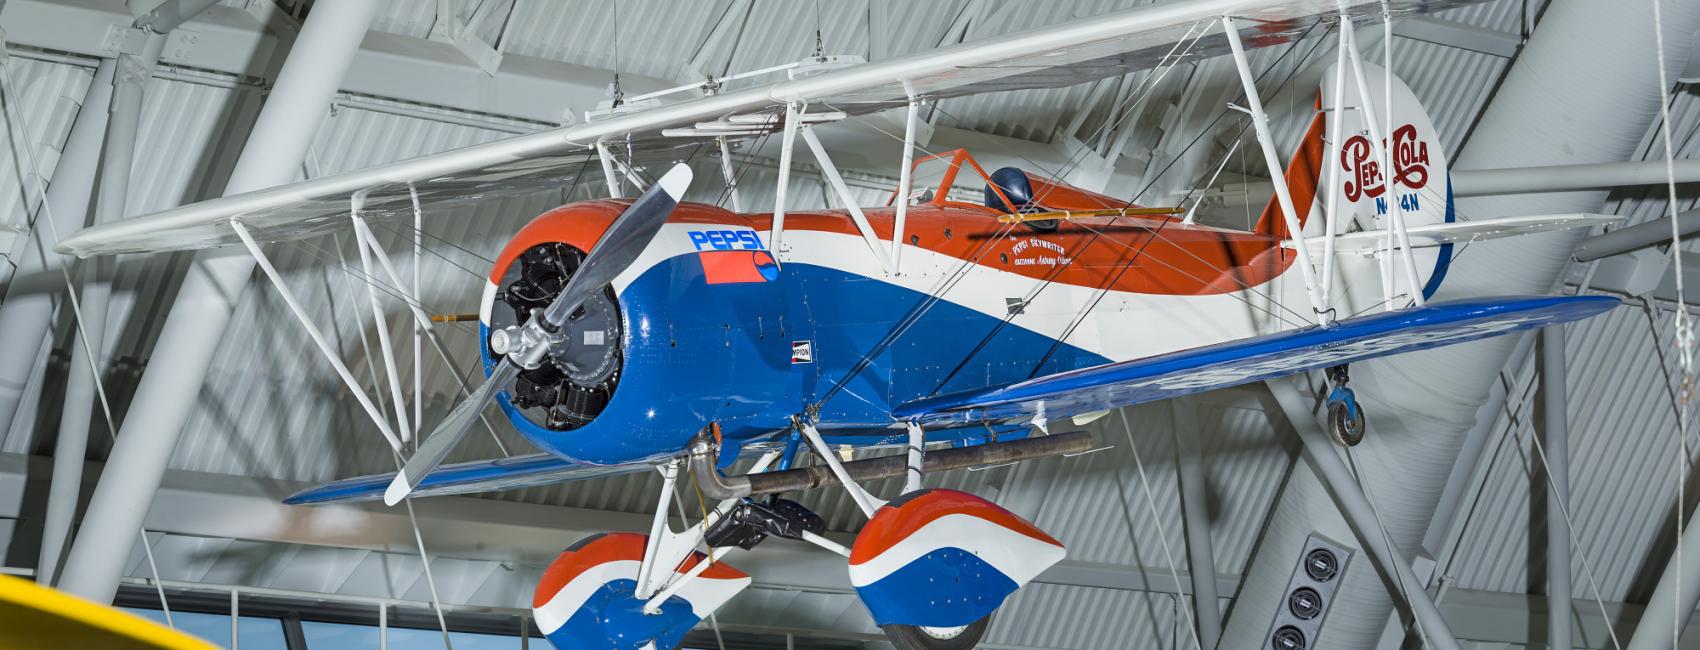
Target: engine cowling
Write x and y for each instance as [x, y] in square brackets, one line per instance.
[577, 377]
[697, 330]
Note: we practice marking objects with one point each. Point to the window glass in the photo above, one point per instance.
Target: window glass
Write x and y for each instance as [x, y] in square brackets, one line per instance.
[340, 636]
[255, 633]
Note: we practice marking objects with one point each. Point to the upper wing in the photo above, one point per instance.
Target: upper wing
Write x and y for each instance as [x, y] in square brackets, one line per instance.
[1061, 55]
[462, 478]
[1369, 242]
[1253, 359]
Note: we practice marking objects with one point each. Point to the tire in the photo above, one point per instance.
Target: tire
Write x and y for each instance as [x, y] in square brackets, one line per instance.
[910, 637]
[1348, 431]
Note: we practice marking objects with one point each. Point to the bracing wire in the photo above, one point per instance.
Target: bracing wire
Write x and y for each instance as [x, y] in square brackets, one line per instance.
[425, 563]
[1570, 529]
[1684, 327]
[959, 272]
[412, 518]
[1060, 268]
[1162, 530]
[15, 123]
[1393, 555]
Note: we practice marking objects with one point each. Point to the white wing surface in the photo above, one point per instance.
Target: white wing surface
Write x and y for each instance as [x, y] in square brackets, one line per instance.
[1060, 55]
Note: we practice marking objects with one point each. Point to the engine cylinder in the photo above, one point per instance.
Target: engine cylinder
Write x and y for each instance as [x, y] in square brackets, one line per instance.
[578, 376]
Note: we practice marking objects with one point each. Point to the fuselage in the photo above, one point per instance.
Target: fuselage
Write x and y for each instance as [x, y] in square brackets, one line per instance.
[718, 327]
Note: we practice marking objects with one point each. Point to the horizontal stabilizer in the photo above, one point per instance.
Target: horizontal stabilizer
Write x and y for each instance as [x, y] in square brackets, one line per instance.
[1252, 359]
[1371, 242]
[462, 478]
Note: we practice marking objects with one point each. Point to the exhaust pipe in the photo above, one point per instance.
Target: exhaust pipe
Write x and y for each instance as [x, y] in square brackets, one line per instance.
[717, 486]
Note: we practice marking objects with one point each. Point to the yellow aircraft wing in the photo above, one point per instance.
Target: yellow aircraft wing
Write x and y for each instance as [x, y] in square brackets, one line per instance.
[33, 617]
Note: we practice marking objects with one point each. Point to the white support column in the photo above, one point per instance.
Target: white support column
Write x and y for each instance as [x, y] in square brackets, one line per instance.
[1388, 172]
[68, 451]
[26, 315]
[653, 605]
[168, 391]
[1557, 459]
[863, 500]
[420, 325]
[630, 174]
[1394, 207]
[905, 176]
[84, 395]
[833, 179]
[657, 528]
[608, 174]
[318, 336]
[727, 173]
[916, 458]
[1337, 119]
[1200, 553]
[379, 321]
[669, 549]
[1283, 194]
[235, 620]
[825, 543]
[82, 399]
[1378, 146]
[787, 142]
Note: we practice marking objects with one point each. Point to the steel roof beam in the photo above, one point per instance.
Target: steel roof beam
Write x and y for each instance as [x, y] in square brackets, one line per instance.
[404, 68]
[1429, 29]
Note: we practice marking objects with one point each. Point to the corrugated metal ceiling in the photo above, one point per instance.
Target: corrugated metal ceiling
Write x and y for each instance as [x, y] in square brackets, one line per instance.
[269, 409]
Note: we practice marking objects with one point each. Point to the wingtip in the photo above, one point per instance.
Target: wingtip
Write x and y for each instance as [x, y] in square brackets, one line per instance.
[397, 490]
[676, 181]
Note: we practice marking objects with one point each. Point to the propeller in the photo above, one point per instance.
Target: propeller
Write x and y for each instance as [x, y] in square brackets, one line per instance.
[525, 346]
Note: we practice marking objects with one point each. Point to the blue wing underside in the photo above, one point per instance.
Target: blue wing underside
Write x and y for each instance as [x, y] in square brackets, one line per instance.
[1250, 360]
[1089, 389]
[462, 478]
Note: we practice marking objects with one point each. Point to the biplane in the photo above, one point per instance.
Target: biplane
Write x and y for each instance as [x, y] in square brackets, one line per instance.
[954, 327]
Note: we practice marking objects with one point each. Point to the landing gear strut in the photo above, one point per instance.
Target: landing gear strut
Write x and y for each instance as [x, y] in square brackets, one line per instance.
[1345, 415]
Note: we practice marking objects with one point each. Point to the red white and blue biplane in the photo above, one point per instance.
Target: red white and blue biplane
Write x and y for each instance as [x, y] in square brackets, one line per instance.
[623, 335]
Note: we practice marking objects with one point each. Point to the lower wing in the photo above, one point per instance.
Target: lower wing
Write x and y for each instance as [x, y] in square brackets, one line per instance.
[477, 476]
[1252, 359]
[1370, 242]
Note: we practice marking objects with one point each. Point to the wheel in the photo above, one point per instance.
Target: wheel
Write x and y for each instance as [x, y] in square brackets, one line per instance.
[913, 637]
[1346, 423]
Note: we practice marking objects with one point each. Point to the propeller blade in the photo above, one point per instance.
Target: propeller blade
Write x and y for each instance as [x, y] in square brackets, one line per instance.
[618, 247]
[442, 440]
[621, 244]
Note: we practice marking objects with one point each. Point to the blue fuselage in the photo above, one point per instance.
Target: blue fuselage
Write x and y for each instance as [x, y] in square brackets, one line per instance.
[751, 356]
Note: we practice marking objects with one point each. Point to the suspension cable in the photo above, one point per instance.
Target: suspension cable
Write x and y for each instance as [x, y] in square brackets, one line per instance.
[15, 123]
[1162, 530]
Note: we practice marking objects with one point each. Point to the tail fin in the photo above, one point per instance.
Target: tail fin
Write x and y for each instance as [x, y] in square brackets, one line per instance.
[1422, 186]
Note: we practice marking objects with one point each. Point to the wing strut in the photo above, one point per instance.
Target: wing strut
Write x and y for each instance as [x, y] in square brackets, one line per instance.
[1397, 233]
[1283, 194]
[833, 178]
[787, 142]
[317, 335]
[905, 175]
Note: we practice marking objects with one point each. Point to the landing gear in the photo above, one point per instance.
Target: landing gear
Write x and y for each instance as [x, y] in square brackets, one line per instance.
[1345, 415]
[915, 637]
[750, 522]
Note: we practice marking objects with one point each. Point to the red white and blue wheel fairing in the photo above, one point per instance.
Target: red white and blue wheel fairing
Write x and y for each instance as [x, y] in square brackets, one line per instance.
[586, 597]
[942, 558]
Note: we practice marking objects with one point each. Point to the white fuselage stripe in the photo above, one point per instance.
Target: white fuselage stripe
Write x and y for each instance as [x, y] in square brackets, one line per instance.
[1016, 555]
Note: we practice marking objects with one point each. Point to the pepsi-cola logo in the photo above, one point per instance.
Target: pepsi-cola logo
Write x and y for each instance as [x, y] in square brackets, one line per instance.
[1364, 178]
